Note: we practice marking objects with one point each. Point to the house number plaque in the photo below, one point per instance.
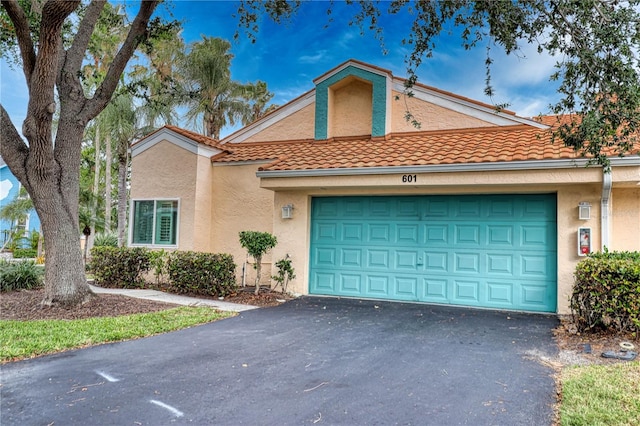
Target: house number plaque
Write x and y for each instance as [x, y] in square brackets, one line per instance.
[409, 178]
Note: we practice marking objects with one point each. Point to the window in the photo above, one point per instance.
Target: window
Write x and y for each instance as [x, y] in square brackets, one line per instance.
[155, 222]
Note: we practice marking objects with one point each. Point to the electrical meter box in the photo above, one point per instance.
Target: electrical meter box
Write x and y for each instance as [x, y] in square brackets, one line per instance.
[584, 241]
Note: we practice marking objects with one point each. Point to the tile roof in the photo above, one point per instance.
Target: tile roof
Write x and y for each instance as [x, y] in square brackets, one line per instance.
[463, 146]
[197, 137]
[480, 145]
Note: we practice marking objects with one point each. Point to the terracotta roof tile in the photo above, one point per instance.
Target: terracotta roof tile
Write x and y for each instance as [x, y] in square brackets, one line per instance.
[481, 145]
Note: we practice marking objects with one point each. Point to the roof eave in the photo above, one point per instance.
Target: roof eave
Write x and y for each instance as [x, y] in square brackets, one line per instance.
[448, 168]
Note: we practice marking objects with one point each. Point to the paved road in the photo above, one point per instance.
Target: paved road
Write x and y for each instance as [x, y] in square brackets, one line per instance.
[310, 361]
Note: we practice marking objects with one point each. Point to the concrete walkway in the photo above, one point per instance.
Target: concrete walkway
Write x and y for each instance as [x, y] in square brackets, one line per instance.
[160, 296]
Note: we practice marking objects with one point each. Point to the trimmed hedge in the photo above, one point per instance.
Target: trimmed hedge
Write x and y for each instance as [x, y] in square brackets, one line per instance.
[23, 275]
[607, 292]
[188, 272]
[208, 274]
[120, 267]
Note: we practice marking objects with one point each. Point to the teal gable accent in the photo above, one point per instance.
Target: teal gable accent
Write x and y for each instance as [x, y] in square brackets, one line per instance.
[378, 127]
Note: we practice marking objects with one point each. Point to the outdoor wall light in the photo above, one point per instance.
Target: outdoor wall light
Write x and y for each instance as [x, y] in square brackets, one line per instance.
[287, 211]
[584, 210]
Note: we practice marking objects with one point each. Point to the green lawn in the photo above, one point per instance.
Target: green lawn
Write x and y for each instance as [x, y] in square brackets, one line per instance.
[600, 395]
[27, 339]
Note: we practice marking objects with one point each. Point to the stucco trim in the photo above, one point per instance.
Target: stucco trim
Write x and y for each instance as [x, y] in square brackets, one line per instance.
[443, 168]
[176, 139]
[465, 107]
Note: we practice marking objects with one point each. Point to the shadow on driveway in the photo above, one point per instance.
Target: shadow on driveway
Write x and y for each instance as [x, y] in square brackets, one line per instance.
[310, 361]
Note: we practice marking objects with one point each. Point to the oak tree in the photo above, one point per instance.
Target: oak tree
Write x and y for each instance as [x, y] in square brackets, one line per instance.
[52, 38]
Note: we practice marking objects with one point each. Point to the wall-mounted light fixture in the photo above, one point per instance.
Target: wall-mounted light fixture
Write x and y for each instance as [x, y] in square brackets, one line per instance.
[584, 210]
[287, 211]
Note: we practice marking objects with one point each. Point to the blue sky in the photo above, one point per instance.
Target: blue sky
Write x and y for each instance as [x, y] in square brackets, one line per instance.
[288, 56]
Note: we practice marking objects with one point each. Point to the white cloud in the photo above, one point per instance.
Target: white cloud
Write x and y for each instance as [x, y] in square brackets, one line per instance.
[312, 59]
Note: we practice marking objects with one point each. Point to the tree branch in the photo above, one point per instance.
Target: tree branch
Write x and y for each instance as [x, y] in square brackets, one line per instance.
[23, 34]
[13, 149]
[136, 34]
[76, 52]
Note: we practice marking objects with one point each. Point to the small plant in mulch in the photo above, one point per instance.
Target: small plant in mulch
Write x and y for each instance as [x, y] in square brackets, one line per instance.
[285, 273]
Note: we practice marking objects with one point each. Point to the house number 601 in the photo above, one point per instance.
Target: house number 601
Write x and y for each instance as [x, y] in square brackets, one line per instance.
[409, 178]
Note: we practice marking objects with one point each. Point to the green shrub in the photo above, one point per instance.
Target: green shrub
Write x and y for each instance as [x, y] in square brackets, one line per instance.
[25, 253]
[120, 267]
[285, 273]
[23, 275]
[607, 292]
[201, 273]
[106, 240]
[158, 263]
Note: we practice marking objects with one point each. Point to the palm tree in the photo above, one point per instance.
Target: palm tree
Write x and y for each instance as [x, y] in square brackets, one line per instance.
[122, 121]
[15, 212]
[159, 81]
[109, 33]
[212, 95]
[258, 96]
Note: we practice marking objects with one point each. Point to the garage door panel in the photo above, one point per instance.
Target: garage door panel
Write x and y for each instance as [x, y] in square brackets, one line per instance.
[407, 234]
[436, 235]
[377, 286]
[500, 293]
[378, 259]
[436, 261]
[326, 232]
[350, 284]
[488, 250]
[323, 282]
[466, 292]
[350, 258]
[406, 287]
[406, 260]
[379, 233]
[499, 264]
[467, 235]
[466, 263]
[352, 232]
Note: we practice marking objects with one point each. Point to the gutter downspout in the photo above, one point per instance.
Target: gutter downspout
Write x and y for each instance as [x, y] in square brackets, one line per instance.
[604, 208]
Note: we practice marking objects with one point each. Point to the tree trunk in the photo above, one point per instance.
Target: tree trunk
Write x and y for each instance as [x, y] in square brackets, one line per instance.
[55, 197]
[107, 184]
[123, 164]
[258, 273]
[96, 188]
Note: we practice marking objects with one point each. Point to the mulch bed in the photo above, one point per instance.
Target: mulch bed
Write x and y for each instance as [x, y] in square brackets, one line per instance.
[25, 305]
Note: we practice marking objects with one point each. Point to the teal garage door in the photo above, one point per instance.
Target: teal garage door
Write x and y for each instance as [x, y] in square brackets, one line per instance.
[491, 251]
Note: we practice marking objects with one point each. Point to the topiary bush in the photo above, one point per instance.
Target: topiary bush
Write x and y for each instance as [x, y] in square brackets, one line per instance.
[23, 275]
[119, 267]
[208, 274]
[607, 292]
[257, 245]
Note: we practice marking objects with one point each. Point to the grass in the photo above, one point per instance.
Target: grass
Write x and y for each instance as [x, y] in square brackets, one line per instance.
[600, 395]
[28, 339]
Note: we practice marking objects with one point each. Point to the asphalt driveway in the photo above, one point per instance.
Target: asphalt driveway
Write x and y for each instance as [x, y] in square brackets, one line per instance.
[310, 361]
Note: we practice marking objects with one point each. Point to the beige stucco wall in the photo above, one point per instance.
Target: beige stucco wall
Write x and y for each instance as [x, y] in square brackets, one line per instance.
[430, 116]
[350, 108]
[239, 204]
[625, 219]
[571, 186]
[168, 171]
[299, 125]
